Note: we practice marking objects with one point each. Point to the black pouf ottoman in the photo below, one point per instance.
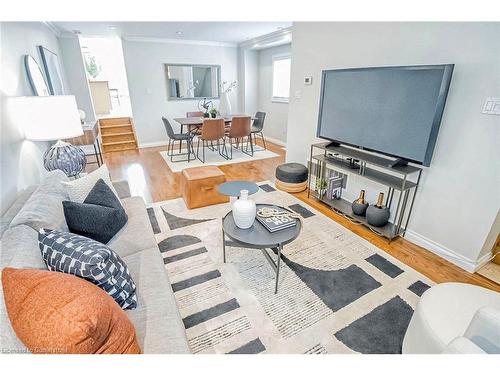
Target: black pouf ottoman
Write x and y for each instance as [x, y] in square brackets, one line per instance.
[292, 177]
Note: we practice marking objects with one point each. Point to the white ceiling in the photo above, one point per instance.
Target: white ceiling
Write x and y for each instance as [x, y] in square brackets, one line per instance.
[222, 32]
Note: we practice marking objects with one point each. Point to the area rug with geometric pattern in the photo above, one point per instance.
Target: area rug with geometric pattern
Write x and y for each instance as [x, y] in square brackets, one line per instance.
[338, 293]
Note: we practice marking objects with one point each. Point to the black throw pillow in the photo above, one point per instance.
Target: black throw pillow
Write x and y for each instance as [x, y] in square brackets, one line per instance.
[102, 195]
[99, 217]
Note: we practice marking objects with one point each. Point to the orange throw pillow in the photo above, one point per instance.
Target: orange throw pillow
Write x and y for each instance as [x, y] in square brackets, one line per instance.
[52, 312]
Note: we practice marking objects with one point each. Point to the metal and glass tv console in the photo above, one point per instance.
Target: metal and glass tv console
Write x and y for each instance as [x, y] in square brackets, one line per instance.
[402, 180]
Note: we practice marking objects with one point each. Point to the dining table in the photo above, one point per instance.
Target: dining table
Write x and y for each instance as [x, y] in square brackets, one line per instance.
[192, 123]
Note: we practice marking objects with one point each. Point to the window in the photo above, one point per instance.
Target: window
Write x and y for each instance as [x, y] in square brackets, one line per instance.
[281, 78]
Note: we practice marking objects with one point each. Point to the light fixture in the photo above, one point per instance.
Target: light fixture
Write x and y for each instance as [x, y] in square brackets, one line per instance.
[51, 118]
[112, 27]
[178, 33]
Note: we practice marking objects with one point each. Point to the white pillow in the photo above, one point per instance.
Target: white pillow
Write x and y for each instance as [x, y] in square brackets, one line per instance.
[79, 189]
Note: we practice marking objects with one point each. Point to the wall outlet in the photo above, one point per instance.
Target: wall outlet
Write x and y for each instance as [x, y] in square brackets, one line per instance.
[491, 106]
[298, 94]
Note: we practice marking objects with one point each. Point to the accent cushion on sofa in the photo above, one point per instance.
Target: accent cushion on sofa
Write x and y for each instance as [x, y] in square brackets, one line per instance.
[79, 189]
[91, 260]
[99, 217]
[56, 313]
[43, 209]
[157, 320]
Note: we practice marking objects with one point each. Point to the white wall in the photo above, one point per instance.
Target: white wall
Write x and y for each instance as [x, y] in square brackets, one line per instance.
[145, 64]
[251, 82]
[71, 58]
[21, 160]
[459, 196]
[276, 113]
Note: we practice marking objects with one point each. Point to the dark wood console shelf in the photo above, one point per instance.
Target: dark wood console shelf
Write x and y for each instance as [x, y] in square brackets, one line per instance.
[402, 179]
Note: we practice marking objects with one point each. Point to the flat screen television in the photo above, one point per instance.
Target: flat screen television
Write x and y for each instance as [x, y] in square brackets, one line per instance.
[393, 110]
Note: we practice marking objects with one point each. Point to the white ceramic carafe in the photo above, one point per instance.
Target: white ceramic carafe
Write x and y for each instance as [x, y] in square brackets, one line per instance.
[244, 210]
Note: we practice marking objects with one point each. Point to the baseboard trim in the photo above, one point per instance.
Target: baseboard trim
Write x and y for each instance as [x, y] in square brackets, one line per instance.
[153, 144]
[446, 253]
[164, 143]
[275, 141]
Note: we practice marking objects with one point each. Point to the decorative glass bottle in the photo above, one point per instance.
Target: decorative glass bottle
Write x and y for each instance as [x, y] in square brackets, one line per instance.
[360, 205]
[377, 214]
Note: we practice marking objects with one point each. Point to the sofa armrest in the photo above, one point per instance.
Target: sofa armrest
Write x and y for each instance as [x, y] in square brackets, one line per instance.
[462, 345]
[122, 188]
[484, 329]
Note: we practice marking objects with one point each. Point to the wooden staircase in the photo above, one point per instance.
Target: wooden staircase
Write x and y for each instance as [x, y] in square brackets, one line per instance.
[118, 134]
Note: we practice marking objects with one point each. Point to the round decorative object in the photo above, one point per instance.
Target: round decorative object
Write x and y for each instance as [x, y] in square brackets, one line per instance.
[244, 211]
[359, 208]
[205, 106]
[360, 205]
[66, 157]
[377, 216]
[35, 76]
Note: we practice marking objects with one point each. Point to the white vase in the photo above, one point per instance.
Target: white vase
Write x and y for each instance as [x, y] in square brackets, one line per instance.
[225, 105]
[244, 211]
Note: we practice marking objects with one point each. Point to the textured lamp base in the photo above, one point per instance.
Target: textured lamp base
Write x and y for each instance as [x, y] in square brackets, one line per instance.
[66, 157]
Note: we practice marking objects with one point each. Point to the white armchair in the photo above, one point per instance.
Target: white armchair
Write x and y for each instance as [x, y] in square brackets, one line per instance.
[455, 318]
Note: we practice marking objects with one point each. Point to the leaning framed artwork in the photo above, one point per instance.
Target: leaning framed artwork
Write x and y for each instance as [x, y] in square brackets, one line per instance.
[52, 71]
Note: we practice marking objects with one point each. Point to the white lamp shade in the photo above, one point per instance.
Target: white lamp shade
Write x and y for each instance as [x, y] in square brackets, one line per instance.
[45, 118]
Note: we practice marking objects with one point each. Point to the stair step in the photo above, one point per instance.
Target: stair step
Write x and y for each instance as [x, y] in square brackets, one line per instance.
[117, 143]
[115, 134]
[114, 126]
[115, 121]
[122, 147]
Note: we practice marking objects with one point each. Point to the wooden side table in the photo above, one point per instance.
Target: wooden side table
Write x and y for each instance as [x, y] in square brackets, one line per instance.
[90, 137]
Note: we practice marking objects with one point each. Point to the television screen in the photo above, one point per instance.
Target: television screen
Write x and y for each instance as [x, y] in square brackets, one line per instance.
[393, 110]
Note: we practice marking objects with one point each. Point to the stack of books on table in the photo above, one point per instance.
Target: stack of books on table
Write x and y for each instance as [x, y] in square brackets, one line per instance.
[274, 224]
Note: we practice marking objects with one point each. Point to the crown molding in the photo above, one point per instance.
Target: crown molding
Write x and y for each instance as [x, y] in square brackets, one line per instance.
[55, 30]
[273, 39]
[178, 41]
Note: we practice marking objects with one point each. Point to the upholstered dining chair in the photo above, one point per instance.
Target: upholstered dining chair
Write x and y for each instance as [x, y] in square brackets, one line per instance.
[239, 130]
[173, 137]
[195, 130]
[213, 130]
[258, 126]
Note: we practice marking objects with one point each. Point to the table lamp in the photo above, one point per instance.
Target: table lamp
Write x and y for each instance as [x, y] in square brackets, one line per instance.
[51, 118]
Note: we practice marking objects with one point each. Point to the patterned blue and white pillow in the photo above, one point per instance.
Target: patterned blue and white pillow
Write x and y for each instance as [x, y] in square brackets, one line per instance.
[90, 260]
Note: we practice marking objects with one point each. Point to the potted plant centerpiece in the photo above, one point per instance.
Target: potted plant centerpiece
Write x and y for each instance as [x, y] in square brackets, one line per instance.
[213, 112]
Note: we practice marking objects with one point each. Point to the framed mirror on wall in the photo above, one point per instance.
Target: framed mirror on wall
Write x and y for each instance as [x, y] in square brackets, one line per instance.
[35, 77]
[188, 82]
[52, 71]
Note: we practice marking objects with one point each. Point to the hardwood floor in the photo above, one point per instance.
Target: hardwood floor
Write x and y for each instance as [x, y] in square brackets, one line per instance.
[149, 176]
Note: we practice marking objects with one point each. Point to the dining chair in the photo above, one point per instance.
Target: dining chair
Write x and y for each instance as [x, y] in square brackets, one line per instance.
[196, 130]
[258, 126]
[212, 131]
[240, 129]
[173, 137]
